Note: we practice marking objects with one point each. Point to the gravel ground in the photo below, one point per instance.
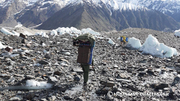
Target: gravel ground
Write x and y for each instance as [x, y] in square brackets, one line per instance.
[120, 74]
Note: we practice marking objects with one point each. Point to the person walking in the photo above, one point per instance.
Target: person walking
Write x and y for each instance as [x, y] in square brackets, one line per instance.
[85, 43]
[123, 40]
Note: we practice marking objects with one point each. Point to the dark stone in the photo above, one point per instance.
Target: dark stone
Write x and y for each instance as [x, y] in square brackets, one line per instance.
[67, 98]
[178, 60]
[178, 71]
[104, 64]
[29, 54]
[76, 78]
[60, 88]
[141, 69]
[177, 64]
[142, 74]
[103, 71]
[78, 99]
[143, 61]
[8, 49]
[114, 90]
[172, 95]
[24, 41]
[176, 81]
[42, 62]
[159, 86]
[9, 63]
[23, 36]
[30, 96]
[57, 73]
[102, 91]
[132, 87]
[47, 56]
[150, 72]
[107, 84]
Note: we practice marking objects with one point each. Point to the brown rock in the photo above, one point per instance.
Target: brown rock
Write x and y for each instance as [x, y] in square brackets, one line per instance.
[23, 36]
[8, 49]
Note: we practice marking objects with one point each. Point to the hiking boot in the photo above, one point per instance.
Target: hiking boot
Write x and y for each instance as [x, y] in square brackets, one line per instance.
[85, 84]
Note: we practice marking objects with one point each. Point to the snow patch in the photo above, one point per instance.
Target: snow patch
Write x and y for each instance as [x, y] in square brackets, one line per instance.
[18, 25]
[5, 31]
[27, 33]
[110, 41]
[2, 46]
[15, 31]
[34, 83]
[89, 30]
[43, 34]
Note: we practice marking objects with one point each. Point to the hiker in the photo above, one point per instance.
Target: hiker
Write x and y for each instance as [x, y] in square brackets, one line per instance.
[123, 40]
[85, 43]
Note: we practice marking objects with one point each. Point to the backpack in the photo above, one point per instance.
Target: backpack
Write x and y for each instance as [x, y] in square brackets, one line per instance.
[86, 43]
[87, 37]
[122, 39]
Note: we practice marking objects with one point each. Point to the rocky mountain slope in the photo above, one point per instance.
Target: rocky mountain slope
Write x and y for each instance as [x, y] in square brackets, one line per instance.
[37, 14]
[8, 11]
[102, 19]
[104, 14]
[119, 73]
[169, 7]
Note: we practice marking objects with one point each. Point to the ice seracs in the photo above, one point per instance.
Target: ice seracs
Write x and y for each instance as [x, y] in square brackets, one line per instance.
[134, 43]
[153, 47]
[177, 33]
[73, 31]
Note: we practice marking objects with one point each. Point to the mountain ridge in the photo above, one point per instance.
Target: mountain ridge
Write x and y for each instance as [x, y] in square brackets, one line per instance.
[101, 19]
[37, 12]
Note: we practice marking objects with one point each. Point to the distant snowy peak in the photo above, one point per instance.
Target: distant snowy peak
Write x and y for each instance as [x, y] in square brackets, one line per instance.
[111, 4]
[2, 1]
[29, 2]
[5, 3]
[129, 6]
[162, 5]
[44, 4]
[51, 2]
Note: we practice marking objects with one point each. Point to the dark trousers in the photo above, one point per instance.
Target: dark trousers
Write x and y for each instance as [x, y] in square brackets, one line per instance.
[85, 68]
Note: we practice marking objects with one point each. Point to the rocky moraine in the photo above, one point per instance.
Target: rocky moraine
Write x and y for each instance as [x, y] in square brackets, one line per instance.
[119, 74]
